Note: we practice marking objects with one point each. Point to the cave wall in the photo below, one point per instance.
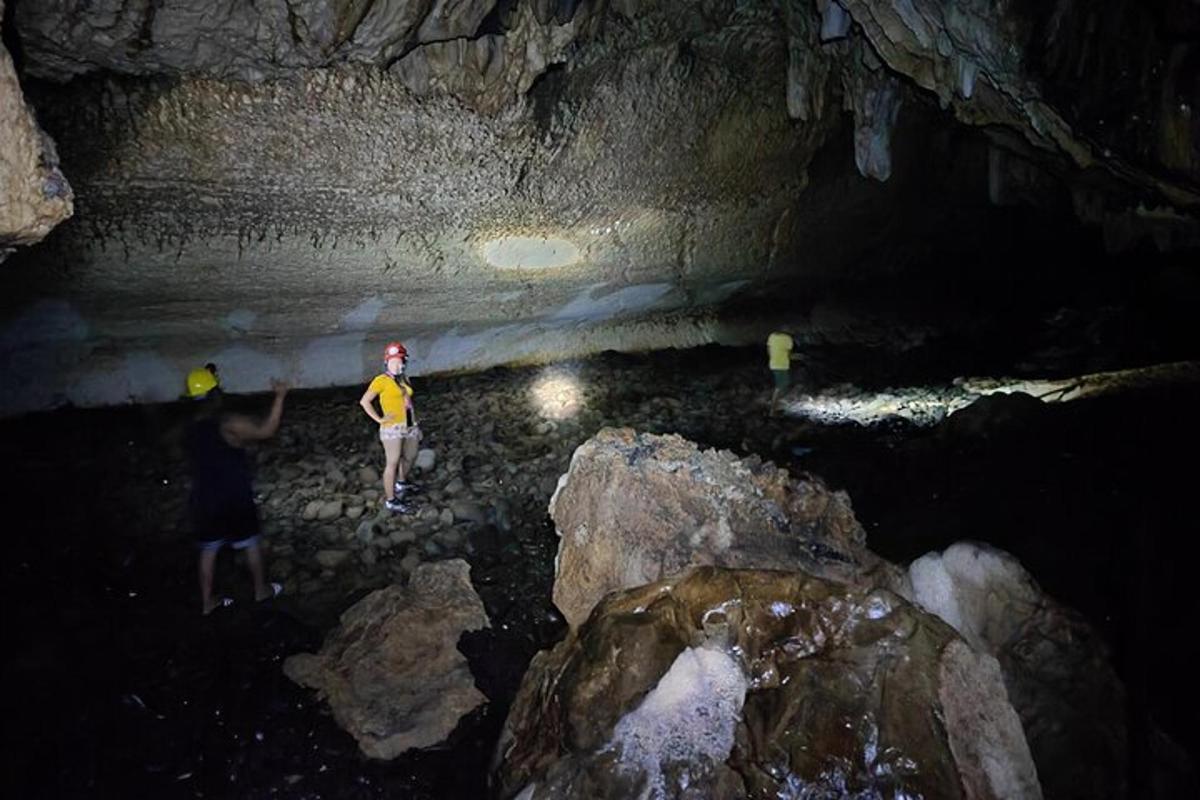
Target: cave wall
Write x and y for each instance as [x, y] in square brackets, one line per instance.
[280, 186]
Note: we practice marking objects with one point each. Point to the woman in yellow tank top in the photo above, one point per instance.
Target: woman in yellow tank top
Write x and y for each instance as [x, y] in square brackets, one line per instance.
[398, 429]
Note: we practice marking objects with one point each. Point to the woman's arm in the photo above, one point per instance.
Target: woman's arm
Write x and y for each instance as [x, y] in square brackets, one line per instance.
[368, 405]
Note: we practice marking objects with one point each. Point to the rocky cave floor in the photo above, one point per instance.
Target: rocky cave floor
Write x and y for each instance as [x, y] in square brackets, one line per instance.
[116, 687]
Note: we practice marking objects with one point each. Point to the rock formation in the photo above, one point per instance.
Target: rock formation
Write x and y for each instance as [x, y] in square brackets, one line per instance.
[740, 683]
[392, 671]
[34, 195]
[344, 169]
[634, 508]
[1055, 666]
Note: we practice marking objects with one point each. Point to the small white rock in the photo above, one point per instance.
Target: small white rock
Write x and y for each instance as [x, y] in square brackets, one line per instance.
[426, 458]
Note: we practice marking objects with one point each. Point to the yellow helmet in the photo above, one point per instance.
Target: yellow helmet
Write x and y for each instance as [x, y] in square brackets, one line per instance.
[200, 382]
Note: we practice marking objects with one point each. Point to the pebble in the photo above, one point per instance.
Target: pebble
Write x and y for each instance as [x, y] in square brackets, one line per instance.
[450, 539]
[446, 517]
[368, 476]
[354, 512]
[426, 458]
[330, 510]
[365, 533]
[312, 510]
[330, 559]
[466, 511]
[402, 536]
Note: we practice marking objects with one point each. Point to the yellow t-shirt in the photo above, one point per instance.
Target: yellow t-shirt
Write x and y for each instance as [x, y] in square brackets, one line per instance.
[779, 351]
[394, 398]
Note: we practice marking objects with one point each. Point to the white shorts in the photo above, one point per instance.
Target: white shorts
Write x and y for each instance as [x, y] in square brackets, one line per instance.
[388, 433]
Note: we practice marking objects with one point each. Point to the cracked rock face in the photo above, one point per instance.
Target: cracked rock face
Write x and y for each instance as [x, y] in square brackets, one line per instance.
[34, 195]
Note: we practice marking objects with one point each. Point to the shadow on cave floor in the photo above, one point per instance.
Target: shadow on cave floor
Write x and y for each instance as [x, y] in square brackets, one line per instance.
[116, 687]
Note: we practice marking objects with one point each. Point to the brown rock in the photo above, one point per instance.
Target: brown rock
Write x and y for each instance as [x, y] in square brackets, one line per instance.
[34, 195]
[392, 671]
[634, 508]
[745, 683]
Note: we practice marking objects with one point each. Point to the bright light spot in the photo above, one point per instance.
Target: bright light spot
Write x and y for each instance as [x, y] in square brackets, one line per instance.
[556, 394]
[530, 252]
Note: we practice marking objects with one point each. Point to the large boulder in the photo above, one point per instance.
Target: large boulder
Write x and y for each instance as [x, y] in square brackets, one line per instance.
[392, 671]
[739, 683]
[636, 507]
[1055, 665]
[34, 195]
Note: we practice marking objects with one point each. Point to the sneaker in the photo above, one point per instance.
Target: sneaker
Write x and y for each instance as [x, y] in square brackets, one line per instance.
[397, 505]
[402, 488]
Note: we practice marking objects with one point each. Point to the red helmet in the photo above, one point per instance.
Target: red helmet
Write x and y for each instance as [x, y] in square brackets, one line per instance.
[395, 350]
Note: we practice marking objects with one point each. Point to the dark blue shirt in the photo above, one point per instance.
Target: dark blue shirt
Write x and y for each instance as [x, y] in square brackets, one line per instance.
[220, 472]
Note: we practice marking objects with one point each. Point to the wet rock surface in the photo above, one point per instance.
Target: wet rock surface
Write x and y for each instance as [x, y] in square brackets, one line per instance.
[634, 508]
[169, 705]
[844, 692]
[1057, 669]
[391, 671]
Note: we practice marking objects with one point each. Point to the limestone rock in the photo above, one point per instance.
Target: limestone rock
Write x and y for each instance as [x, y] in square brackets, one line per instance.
[331, 559]
[745, 683]
[392, 671]
[634, 508]
[232, 39]
[467, 511]
[34, 195]
[426, 459]
[1055, 665]
[331, 509]
[312, 509]
[974, 56]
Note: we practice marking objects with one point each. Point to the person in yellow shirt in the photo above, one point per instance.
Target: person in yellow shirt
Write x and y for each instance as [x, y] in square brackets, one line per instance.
[398, 429]
[779, 361]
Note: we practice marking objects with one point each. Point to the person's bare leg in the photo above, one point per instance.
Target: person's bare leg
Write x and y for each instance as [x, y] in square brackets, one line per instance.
[391, 451]
[775, 403]
[208, 561]
[409, 458]
[254, 562]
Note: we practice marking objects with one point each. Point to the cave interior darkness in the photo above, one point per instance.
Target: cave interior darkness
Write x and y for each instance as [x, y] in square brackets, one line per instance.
[577, 214]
